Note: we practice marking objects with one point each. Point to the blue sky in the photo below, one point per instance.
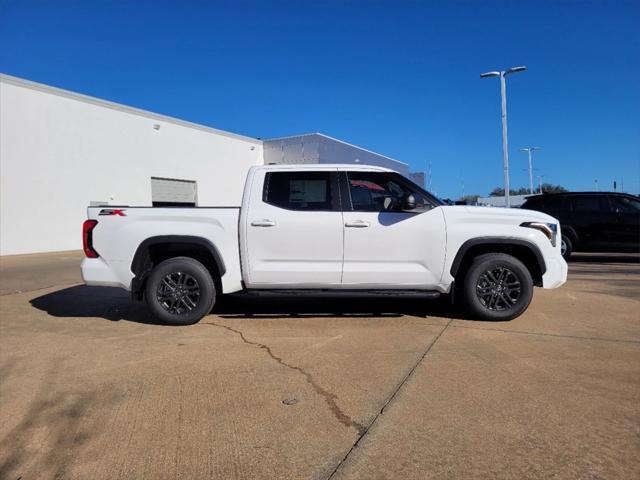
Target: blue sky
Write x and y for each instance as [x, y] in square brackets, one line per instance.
[400, 78]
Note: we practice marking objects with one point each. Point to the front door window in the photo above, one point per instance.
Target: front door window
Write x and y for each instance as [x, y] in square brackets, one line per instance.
[382, 192]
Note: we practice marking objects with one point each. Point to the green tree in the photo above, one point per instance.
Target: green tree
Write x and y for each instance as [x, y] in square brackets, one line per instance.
[546, 188]
[499, 192]
[550, 188]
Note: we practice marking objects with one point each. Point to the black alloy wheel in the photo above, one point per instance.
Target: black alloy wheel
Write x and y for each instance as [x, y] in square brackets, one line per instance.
[497, 286]
[498, 289]
[180, 291]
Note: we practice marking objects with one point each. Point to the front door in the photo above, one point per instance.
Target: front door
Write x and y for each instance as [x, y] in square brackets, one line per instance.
[294, 233]
[385, 247]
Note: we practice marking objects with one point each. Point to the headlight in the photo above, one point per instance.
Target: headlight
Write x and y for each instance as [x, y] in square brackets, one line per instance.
[549, 229]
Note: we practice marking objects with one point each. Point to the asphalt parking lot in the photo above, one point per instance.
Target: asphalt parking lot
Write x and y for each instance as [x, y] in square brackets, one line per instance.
[318, 388]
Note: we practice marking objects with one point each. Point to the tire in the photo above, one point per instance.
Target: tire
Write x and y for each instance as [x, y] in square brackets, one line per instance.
[486, 298]
[566, 247]
[180, 291]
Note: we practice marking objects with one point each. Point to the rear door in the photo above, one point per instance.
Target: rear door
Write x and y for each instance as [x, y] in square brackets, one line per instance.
[293, 231]
[385, 247]
[593, 220]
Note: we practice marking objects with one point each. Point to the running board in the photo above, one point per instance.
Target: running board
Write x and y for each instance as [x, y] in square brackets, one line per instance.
[430, 294]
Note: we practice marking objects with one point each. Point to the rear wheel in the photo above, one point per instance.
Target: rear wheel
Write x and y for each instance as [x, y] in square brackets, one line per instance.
[566, 247]
[180, 291]
[497, 286]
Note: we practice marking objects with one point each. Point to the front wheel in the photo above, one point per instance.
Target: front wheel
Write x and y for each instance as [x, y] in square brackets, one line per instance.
[497, 286]
[180, 291]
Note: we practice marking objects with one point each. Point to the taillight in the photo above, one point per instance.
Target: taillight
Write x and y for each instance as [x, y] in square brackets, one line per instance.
[87, 238]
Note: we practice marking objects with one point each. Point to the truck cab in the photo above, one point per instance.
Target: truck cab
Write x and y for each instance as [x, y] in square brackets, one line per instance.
[335, 227]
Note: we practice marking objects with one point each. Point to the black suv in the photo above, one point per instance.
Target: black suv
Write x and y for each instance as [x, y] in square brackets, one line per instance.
[593, 221]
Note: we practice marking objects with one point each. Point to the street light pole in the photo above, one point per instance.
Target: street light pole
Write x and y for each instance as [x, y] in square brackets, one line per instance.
[529, 150]
[505, 148]
[505, 152]
[540, 181]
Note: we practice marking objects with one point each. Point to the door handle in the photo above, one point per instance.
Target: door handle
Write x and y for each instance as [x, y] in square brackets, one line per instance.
[357, 224]
[263, 223]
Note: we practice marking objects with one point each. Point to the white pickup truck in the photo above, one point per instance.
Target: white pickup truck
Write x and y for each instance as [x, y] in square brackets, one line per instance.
[324, 227]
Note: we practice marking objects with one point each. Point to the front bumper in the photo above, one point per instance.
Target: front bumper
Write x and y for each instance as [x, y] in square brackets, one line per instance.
[556, 274]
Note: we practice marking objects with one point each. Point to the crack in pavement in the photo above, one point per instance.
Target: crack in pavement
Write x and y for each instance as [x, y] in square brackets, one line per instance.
[389, 400]
[329, 398]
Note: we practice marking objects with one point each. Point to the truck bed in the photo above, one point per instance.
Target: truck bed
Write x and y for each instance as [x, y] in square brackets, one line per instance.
[122, 229]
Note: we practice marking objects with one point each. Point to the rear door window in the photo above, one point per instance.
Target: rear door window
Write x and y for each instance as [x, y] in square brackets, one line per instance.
[312, 191]
[590, 203]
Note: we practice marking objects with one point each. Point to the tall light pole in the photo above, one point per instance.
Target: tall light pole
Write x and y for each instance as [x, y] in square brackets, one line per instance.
[503, 93]
[529, 150]
[540, 181]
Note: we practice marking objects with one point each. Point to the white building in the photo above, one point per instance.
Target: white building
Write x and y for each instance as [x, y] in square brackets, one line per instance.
[319, 148]
[61, 151]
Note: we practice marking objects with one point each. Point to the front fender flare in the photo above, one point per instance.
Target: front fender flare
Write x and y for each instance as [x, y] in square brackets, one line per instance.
[466, 246]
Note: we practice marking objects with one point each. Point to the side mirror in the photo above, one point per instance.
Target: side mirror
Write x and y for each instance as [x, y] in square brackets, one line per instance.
[409, 203]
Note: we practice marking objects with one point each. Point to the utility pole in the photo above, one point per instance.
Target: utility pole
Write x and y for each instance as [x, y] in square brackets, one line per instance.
[505, 151]
[540, 182]
[529, 150]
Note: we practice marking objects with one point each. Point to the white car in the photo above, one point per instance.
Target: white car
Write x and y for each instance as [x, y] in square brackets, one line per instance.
[324, 227]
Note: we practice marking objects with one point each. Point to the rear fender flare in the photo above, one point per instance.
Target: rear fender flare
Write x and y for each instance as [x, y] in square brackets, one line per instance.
[140, 264]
